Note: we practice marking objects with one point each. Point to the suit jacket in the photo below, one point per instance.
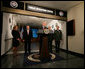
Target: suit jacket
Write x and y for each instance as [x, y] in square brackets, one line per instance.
[57, 35]
[27, 37]
[15, 34]
[50, 36]
[41, 31]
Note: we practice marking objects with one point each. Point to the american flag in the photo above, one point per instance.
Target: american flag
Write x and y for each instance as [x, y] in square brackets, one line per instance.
[21, 33]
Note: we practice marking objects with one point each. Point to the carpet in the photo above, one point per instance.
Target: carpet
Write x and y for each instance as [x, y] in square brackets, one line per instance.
[29, 62]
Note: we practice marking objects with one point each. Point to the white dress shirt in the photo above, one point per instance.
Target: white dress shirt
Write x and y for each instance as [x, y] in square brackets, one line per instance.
[28, 32]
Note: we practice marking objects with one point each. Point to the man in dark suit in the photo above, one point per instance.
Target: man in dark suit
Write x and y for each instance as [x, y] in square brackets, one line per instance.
[58, 38]
[50, 39]
[27, 35]
[41, 31]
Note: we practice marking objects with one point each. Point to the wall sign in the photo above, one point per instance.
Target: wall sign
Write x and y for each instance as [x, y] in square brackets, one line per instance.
[71, 28]
[46, 31]
[35, 8]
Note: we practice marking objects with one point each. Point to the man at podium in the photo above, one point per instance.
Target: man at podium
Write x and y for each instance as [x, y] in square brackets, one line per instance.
[44, 50]
[50, 39]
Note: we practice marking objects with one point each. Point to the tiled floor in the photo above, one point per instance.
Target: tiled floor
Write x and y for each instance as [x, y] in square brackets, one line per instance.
[71, 61]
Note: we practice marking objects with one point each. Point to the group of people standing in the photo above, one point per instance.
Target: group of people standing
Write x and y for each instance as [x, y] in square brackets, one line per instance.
[57, 36]
[27, 35]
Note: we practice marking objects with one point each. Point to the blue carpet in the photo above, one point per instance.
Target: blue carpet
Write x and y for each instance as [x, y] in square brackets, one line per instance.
[28, 62]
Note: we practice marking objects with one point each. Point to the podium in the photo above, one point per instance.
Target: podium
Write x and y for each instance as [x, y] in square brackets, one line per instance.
[44, 51]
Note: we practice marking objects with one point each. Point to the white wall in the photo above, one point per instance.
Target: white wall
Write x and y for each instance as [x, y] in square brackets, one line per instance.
[76, 43]
[6, 32]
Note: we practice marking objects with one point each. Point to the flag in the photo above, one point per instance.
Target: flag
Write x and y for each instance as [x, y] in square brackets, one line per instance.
[21, 33]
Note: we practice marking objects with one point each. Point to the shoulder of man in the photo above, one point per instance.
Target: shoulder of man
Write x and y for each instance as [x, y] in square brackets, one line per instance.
[56, 30]
[60, 30]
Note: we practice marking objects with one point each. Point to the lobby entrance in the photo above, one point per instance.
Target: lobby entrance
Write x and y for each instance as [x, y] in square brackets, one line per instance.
[9, 20]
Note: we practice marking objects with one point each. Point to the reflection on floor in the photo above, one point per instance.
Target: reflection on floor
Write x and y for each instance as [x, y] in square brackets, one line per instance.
[71, 61]
[34, 48]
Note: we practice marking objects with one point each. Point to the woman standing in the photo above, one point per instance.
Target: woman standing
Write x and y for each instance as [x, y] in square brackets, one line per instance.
[16, 38]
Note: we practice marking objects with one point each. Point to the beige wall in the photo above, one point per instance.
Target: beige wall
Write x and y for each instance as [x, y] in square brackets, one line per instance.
[76, 43]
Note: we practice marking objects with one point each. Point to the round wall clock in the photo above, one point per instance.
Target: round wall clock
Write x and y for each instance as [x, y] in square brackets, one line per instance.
[61, 13]
[14, 4]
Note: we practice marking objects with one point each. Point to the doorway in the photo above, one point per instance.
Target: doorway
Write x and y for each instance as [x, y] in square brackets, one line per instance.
[10, 20]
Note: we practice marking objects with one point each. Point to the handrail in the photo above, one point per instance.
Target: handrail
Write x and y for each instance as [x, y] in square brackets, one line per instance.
[8, 39]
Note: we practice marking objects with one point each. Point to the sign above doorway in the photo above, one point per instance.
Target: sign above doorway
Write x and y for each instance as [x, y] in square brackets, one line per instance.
[33, 10]
[40, 9]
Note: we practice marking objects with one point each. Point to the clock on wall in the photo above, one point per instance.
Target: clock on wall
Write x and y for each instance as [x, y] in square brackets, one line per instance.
[14, 4]
[61, 13]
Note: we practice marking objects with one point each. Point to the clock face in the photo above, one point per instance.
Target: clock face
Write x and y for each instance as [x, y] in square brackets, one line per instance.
[14, 4]
[61, 13]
